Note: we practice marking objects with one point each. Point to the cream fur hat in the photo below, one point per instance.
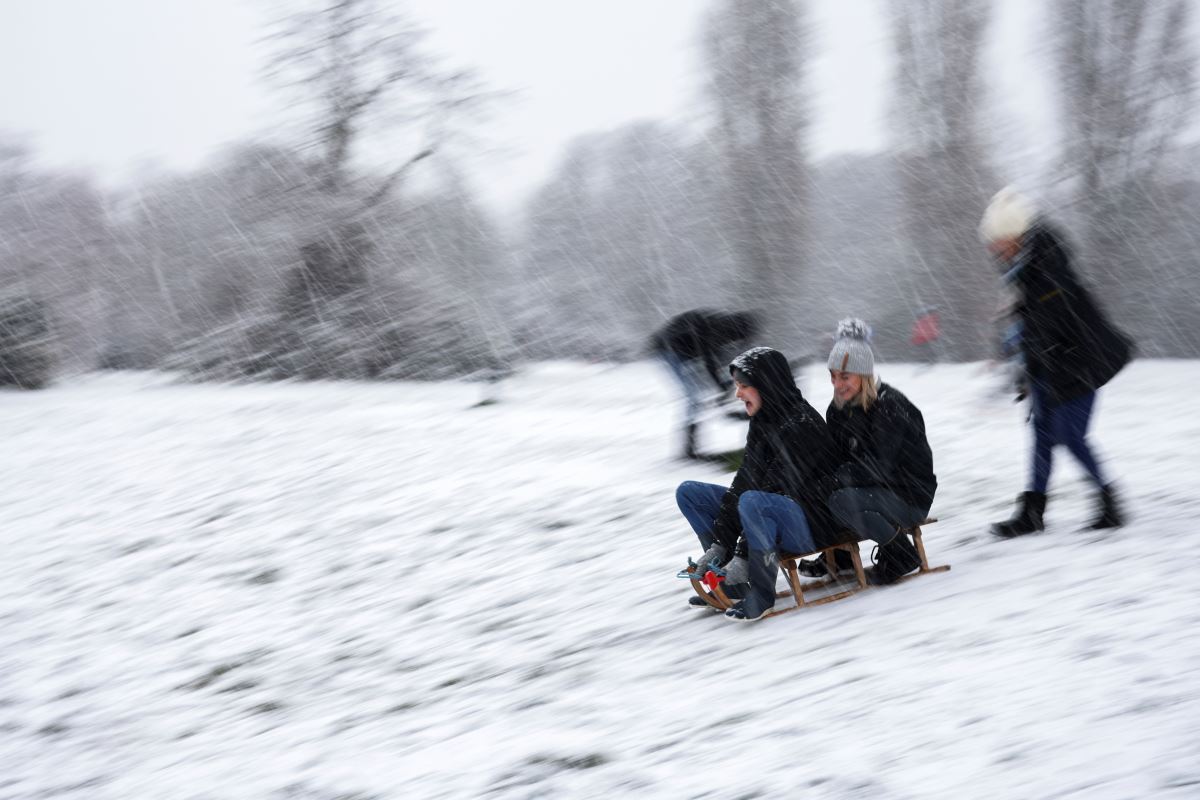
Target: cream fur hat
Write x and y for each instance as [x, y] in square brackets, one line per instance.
[1008, 216]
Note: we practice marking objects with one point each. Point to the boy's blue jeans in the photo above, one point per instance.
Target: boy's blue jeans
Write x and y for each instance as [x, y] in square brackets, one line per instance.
[769, 521]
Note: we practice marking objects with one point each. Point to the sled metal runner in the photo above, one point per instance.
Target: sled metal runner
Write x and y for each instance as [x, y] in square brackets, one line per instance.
[788, 563]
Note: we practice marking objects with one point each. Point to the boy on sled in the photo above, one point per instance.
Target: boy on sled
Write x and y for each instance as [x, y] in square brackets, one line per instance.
[780, 498]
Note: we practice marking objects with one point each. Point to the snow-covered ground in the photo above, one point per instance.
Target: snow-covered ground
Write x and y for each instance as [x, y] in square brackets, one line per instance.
[361, 591]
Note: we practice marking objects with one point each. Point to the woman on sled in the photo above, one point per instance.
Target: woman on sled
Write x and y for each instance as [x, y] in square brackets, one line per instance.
[884, 482]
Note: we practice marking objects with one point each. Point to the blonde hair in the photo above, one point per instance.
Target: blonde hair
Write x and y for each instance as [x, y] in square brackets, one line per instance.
[868, 394]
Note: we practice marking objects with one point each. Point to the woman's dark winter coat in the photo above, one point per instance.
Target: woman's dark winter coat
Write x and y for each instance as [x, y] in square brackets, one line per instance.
[1069, 345]
[702, 334]
[885, 446]
[788, 450]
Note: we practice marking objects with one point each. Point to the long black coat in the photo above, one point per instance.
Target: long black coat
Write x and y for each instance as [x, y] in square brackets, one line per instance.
[1068, 344]
[788, 450]
[885, 446]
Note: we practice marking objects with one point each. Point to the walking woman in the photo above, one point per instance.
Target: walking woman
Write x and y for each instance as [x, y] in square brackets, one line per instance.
[1070, 350]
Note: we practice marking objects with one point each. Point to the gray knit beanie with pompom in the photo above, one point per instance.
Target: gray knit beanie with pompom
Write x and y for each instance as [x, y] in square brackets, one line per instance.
[852, 350]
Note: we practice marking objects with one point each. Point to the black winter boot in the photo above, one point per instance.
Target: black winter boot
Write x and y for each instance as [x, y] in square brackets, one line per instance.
[893, 561]
[1110, 511]
[764, 569]
[817, 568]
[1028, 518]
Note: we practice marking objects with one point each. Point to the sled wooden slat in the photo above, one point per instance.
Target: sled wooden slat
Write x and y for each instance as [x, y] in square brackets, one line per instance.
[788, 562]
[819, 601]
[722, 598]
[709, 597]
[859, 573]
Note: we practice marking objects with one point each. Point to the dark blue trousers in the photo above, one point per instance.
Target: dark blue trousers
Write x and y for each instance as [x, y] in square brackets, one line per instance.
[1064, 424]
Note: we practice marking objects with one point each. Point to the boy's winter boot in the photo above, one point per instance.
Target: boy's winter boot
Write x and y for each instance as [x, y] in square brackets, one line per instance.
[1110, 511]
[1028, 518]
[764, 569]
[893, 560]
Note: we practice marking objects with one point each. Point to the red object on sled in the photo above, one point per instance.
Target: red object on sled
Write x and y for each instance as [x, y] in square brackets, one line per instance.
[927, 329]
[711, 579]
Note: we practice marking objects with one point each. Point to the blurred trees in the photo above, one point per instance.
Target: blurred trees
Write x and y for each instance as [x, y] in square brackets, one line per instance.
[360, 251]
[347, 62]
[618, 239]
[56, 246]
[357, 68]
[944, 177]
[300, 260]
[27, 345]
[1126, 84]
[391, 296]
[755, 54]
[202, 251]
[320, 265]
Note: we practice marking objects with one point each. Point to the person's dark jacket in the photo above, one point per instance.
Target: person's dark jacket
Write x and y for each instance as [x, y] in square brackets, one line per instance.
[703, 334]
[1069, 345]
[788, 449]
[884, 446]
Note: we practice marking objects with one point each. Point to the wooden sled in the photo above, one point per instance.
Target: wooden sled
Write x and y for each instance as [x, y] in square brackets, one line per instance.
[716, 597]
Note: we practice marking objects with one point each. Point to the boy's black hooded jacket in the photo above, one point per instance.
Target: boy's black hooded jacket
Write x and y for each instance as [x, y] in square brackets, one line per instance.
[788, 450]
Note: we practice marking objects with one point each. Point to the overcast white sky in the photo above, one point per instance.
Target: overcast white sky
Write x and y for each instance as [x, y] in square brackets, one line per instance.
[111, 86]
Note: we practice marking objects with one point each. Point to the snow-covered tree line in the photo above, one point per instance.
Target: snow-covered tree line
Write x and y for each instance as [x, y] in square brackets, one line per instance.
[737, 214]
[320, 258]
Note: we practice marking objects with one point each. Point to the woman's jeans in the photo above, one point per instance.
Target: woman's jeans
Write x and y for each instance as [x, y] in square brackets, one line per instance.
[1065, 424]
[691, 381]
[770, 522]
[874, 512]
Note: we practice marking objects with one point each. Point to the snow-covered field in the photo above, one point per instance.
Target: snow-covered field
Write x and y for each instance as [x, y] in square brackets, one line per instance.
[359, 591]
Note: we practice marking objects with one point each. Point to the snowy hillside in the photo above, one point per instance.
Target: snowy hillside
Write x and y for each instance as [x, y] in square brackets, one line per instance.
[360, 591]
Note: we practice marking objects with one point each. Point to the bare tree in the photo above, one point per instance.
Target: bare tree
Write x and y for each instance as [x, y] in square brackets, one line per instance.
[572, 304]
[944, 180]
[1126, 73]
[369, 92]
[1127, 79]
[358, 64]
[620, 238]
[56, 244]
[755, 52]
[359, 67]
